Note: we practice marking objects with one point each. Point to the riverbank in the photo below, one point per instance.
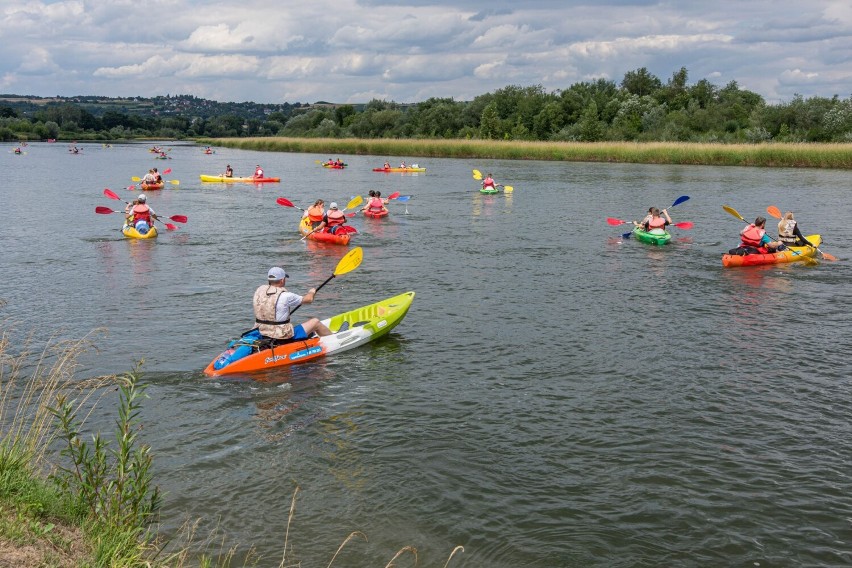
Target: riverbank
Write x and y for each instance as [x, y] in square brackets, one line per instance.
[777, 155]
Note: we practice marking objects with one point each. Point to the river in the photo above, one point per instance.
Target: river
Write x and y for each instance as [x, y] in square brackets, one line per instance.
[556, 396]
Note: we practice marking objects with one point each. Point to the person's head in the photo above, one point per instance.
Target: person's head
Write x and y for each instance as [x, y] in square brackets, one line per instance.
[228, 166]
[788, 216]
[276, 274]
[155, 170]
[489, 174]
[319, 203]
[333, 205]
[760, 222]
[142, 198]
[378, 193]
[655, 211]
[372, 193]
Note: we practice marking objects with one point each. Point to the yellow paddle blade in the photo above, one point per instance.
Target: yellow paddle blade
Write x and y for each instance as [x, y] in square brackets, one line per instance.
[136, 178]
[175, 182]
[508, 189]
[356, 201]
[733, 212]
[477, 174]
[774, 211]
[349, 262]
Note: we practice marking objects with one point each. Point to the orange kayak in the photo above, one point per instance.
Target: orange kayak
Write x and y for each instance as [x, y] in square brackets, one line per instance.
[322, 236]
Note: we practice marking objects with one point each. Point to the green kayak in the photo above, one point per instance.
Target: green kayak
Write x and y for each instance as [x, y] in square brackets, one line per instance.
[653, 237]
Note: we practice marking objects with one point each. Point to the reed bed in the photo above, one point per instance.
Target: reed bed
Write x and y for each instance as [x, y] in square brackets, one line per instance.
[793, 155]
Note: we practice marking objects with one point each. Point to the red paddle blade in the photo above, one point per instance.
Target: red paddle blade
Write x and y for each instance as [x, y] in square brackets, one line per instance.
[350, 214]
[104, 210]
[130, 187]
[613, 221]
[393, 195]
[167, 171]
[111, 194]
[684, 225]
[284, 202]
[171, 227]
[179, 218]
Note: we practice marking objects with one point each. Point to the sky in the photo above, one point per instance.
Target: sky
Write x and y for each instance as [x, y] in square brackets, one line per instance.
[352, 51]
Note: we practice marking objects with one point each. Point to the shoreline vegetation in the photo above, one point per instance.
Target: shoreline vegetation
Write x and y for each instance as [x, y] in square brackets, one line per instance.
[768, 154]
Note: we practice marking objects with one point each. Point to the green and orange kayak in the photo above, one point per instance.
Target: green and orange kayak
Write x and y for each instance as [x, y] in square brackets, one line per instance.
[349, 330]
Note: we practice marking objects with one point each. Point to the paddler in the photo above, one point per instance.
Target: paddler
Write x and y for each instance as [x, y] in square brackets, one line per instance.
[789, 233]
[755, 236]
[140, 216]
[316, 213]
[258, 171]
[332, 220]
[229, 171]
[375, 204]
[654, 220]
[272, 307]
[488, 182]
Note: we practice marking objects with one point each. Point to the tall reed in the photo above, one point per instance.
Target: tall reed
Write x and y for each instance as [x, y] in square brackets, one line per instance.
[799, 155]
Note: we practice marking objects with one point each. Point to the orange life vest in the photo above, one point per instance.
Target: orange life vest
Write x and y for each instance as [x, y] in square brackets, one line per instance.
[752, 236]
[315, 213]
[141, 212]
[656, 223]
[335, 218]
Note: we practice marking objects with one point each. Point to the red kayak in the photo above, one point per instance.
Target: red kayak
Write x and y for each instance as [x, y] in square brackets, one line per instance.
[341, 237]
[376, 214]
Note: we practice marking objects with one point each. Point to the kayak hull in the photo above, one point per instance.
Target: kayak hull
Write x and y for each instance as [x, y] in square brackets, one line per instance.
[130, 232]
[334, 166]
[350, 330]
[792, 254]
[489, 190]
[223, 179]
[652, 238]
[399, 170]
[376, 214]
[152, 186]
[321, 236]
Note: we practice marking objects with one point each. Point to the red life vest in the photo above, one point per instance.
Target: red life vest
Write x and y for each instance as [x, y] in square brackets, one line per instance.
[752, 236]
[335, 217]
[656, 223]
[376, 204]
[141, 212]
[489, 182]
[315, 213]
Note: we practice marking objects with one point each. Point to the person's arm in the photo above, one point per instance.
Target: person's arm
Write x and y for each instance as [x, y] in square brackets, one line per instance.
[309, 297]
[666, 215]
[799, 234]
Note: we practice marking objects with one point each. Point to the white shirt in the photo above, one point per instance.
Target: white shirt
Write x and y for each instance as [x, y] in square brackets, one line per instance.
[287, 302]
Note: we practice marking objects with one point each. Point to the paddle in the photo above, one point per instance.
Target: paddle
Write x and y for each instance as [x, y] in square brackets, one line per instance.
[176, 218]
[682, 225]
[350, 261]
[477, 175]
[403, 198]
[106, 211]
[355, 202]
[775, 212]
[287, 203]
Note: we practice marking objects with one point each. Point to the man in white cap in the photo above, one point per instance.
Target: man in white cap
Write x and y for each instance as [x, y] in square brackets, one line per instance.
[332, 219]
[272, 307]
[139, 215]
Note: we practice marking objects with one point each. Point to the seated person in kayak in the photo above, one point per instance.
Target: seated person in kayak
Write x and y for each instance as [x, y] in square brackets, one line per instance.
[488, 182]
[789, 233]
[754, 237]
[258, 171]
[273, 305]
[139, 215]
[316, 213]
[654, 222]
[387, 165]
[332, 220]
[229, 171]
[375, 204]
[149, 178]
[157, 177]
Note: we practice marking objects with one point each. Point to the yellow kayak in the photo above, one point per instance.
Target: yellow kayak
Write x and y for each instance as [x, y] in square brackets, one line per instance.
[131, 233]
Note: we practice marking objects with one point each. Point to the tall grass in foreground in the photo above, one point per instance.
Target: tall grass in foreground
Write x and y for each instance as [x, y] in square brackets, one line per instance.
[798, 155]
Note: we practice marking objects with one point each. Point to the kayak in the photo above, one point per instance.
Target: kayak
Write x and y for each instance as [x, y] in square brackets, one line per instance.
[334, 166]
[376, 214]
[489, 190]
[321, 236]
[130, 232]
[149, 186]
[223, 179]
[350, 329]
[791, 254]
[652, 237]
[402, 170]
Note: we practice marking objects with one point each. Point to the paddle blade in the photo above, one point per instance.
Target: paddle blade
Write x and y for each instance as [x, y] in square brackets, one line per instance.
[774, 211]
[167, 171]
[680, 200]
[104, 210]
[508, 189]
[350, 214]
[615, 222]
[179, 218]
[175, 182]
[477, 174]
[684, 225]
[827, 256]
[733, 212]
[393, 195]
[136, 178]
[349, 262]
[403, 198]
[111, 194]
[284, 202]
[626, 235]
[356, 201]
[130, 187]
[170, 227]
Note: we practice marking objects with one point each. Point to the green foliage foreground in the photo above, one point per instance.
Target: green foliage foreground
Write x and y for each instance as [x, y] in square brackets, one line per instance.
[800, 155]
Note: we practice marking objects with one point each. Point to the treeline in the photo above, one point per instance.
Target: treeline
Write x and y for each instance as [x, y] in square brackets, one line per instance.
[639, 108]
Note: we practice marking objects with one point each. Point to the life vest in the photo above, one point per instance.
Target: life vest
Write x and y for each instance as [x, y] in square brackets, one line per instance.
[334, 218]
[265, 302]
[752, 236]
[489, 182]
[376, 204]
[258, 173]
[785, 232]
[315, 213]
[656, 223]
[141, 212]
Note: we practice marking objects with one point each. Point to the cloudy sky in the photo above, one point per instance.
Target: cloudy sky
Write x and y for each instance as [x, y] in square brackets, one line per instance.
[356, 50]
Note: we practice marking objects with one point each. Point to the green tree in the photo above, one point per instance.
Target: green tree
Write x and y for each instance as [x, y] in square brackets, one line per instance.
[641, 82]
[489, 123]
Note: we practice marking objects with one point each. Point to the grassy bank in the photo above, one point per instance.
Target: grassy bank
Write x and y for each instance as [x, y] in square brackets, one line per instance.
[837, 156]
